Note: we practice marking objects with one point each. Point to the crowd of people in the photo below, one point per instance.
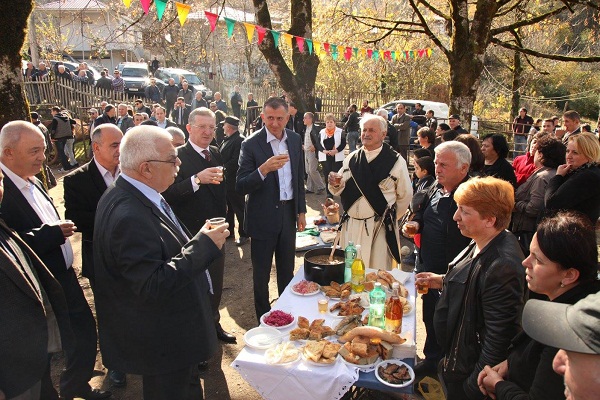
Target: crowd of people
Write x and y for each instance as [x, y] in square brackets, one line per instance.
[160, 196]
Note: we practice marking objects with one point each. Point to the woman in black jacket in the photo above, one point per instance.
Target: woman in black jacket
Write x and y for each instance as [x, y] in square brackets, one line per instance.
[562, 266]
[576, 185]
[495, 150]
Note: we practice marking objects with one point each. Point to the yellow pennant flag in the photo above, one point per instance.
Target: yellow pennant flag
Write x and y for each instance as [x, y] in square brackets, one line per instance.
[249, 31]
[287, 38]
[127, 3]
[182, 11]
[317, 48]
[362, 53]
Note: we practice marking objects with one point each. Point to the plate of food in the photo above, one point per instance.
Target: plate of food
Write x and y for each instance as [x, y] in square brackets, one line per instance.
[345, 308]
[336, 291]
[306, 330]
[282, 354]
[320, 353]
[277, 319]
[262, 338]
[305, 288]
[362, 367]
[394, 373]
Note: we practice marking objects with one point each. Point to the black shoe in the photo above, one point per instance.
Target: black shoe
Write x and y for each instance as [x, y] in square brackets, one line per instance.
[308, 191]
[242, 241]
[225, 336]
[425, 367]
[91, 394]
[203, 366]
[117, 378]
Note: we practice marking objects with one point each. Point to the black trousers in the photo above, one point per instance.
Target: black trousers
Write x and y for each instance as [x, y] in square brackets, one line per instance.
[60, 148]
[81, 356]
[235, 208]
[183, 384]
[432, 350]
[330, 165]
[283, 246]
[217, 270]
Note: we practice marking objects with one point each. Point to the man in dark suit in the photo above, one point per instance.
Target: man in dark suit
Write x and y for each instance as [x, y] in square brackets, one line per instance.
[34, 317]
[230, 152]
[295, 121]
[271, 173]
[181, 115]
[28, 209]
[198, 194]
[83, 189]
[124, 121]
[151, 281]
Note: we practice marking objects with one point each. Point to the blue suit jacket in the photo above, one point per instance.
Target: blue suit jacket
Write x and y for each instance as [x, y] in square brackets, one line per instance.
[262, 204]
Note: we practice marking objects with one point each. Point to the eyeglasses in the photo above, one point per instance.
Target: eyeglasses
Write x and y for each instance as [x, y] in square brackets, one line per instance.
[174, 161]
[203, 127]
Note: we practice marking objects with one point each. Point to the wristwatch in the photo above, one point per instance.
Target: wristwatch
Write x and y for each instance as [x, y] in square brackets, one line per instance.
[197, 180]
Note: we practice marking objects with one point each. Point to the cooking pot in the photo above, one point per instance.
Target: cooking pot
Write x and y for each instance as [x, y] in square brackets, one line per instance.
[324, 274]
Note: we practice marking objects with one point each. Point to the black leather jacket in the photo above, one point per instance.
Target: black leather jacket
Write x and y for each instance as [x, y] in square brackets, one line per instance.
[479, 311]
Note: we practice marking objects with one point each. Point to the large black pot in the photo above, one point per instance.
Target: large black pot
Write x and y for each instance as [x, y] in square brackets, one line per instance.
[324, 274]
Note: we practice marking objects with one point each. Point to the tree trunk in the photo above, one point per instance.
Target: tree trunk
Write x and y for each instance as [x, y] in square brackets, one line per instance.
[517, 72]
[300, 83]
[13, 25]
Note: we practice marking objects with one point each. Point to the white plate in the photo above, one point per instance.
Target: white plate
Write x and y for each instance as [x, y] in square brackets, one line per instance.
[316, 364]
[251, 337]
[262, 321]
[362, 367]
[285, 363]
[305, 294]
[397, 362]
[412, 310]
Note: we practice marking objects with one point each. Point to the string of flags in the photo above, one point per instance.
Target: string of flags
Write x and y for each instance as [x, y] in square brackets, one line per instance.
[303, 44]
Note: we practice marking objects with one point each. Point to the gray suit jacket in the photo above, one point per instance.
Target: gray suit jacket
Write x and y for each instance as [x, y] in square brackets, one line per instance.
[151, 291]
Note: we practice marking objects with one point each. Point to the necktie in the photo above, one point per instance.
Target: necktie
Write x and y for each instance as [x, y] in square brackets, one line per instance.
[180, 116]
[169, 212]
[207, 156]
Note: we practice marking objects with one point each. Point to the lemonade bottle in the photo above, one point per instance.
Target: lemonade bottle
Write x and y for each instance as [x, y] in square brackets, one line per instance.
[393, 311]
[358, 272]
[377, 306]
[350, 255]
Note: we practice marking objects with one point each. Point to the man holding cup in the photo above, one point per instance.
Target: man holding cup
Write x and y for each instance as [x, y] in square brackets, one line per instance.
[199, 194]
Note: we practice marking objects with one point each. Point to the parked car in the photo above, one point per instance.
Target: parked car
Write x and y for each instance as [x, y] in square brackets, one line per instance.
[164, 74]
[136, 77]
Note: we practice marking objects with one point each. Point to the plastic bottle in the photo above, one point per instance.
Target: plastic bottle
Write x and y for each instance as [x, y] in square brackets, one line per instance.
[358, 272]
[350, 255]
[393, 311]
[377, 307]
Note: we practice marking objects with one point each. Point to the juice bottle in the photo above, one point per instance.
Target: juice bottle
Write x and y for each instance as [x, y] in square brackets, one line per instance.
[377, 307]
[358, 272]
[393, 311]
[350, 255]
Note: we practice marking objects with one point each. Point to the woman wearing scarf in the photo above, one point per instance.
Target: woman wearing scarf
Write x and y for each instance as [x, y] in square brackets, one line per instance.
[331, 149]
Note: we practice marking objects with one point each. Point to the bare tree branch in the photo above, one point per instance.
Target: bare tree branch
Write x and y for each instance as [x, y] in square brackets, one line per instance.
[534, 53]
[527, 22]
[434, 10]
[428, 31]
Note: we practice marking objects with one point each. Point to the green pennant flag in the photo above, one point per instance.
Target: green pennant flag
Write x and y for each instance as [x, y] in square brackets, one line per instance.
[412, 54]
[230, 25]
[309, 44]
[355, 52]
[160, 8]
[334, 51]
[276, 37]
[393, 55]
[376, 55]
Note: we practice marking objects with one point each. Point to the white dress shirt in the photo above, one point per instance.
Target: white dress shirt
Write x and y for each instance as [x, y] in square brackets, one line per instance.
[106, 175]
[286, 189]
[199, 150]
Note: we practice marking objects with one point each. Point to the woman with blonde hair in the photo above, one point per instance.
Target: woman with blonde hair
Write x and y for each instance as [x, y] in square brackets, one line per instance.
[576, 185]
[331, 146]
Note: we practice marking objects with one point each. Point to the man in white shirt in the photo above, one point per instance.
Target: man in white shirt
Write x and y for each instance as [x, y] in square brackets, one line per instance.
[161, 118]
[28, 209]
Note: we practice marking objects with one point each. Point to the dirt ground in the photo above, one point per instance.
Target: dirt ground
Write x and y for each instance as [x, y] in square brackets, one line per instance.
[220, 381]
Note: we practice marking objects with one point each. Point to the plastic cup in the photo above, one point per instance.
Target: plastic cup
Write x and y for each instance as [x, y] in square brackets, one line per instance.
[322, 306]
[216, 222]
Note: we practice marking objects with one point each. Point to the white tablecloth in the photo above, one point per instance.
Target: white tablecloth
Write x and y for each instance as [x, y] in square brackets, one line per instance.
[302, 380]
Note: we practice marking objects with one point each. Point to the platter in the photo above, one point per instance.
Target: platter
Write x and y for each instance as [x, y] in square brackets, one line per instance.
[252, 337]
[396, 362]
[316, 364]
[264, 324]
[317, 291]
[365, 367]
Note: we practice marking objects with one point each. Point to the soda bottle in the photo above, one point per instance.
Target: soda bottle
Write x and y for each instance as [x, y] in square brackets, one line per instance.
[350, 255]
[377, 308]
[393, 311]
[358, 272]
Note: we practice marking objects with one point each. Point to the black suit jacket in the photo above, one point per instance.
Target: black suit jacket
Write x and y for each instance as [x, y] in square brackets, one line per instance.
[186, 115]
[209, 201]
[83, 189]
[126, 123]
[45, 240]
[23, 326]
[151, 291]
[230, 153]
[262, 216]
[296, 124]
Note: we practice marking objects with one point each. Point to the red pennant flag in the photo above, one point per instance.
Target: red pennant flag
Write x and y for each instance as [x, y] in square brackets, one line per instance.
[300, 43]
[369, 53]
[422, 53]
[348, 53]
[387, 55]
[212, 19]
[326, 47]
[261, 31]
[145, 5]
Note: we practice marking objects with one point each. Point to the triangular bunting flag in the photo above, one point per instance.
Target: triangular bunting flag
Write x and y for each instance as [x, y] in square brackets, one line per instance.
[387, 55]
[429, 52]
[182, 12]
[334, 49]
[369, 53]
[160, 8]
[421, 53]
[211, 17]
[348, 53]
[394, 55]
[249, 31]
[300, 43]
[276, 38]
[317, 47]
[127, 3]
[355, 50]
[145, 5]
[287, 38]
[326, 47]
[376, 55]
[406, 54]
[230, 25]
[309, 44]
[260, 31]
[362, 53]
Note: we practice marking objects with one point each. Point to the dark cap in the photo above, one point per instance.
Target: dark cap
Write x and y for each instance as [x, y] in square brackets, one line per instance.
[232, 121]
[108, 108]
[34, 116]
[565, 326]
[455, 116]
